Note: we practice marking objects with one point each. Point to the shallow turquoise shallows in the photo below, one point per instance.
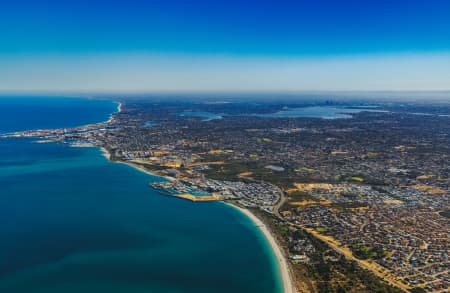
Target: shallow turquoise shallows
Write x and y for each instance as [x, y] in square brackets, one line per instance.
[71, 221]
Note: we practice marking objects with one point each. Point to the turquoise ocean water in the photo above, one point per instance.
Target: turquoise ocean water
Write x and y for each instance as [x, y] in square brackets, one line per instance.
[71, 221]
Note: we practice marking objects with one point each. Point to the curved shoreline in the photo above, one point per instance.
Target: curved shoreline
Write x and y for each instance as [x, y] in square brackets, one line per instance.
[282, 264]
[111, 116]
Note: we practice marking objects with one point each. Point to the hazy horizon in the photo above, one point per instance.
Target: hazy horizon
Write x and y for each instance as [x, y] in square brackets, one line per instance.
[282, 97]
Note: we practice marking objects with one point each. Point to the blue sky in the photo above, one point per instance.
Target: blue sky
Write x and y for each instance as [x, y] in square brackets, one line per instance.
[224, 45]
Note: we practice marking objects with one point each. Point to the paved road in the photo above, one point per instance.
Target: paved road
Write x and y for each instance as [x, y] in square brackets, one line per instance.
[383, 275]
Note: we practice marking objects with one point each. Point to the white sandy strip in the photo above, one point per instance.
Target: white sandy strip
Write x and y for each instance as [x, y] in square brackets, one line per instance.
[282, 263]
[105, 153]
[142, 169]
[111, 116]
[134, 165]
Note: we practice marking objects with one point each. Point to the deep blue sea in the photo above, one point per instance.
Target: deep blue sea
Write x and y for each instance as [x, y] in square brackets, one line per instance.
[22, 113]
[71, 221]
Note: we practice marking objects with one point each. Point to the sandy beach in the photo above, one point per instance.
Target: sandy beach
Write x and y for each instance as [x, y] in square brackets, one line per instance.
[136, 166]
[105, 153]
[142, 169]
[111, 117]
[283, 267]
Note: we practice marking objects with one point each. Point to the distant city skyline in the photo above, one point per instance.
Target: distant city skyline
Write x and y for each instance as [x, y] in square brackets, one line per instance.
[198, 46]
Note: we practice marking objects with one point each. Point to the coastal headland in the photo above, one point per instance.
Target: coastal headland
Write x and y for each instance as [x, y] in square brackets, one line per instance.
[327, 220]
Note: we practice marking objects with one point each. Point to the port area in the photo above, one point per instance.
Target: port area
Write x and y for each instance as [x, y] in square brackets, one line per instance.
[180, 190]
